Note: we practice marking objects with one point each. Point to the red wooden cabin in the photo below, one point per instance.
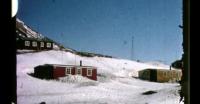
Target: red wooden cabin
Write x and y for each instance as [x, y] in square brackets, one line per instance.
[54, 71]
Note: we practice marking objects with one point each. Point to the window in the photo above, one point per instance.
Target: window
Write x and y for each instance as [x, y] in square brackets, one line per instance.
[89, 72]
[27, 43]
[78, 71]
[41, 44]
[68, 71]
[34, 44]
[48, 45]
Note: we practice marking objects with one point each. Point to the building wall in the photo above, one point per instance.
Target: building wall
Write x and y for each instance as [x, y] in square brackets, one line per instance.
[54, 72]
[161, 75]
[44, 72]
[84, 71]
[144, 74]
[94, 74]
[21, 45]
[59, 72]
[168, 75]
[73, 71]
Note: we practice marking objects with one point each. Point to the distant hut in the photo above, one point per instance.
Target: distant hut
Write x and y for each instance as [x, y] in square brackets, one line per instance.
[55, 71]
[23, 42]
[33, 41]
[33, 44]
[160, 75]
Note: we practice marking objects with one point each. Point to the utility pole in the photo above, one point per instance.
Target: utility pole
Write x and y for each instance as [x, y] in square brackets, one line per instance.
[132, 48]
[76, 52]
[61, 47]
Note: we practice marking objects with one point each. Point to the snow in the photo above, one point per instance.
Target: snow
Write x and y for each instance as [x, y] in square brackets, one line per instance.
[56, 47]
[29, 32]
[19, 21]
[115, 83]
[157, 63]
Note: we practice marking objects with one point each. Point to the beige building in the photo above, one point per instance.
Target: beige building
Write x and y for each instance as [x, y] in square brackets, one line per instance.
[160, 75]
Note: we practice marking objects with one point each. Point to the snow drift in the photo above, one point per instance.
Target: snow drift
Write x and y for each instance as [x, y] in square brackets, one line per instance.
[115, 83]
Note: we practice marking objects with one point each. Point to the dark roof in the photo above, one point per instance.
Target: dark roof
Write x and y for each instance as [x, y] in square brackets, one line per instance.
[159, 69]
[33, 39]
[61, 65]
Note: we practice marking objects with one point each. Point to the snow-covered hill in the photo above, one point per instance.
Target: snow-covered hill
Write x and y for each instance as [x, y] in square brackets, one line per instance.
[26, 31]
[157, 63]
[115, 84]
[30, 33]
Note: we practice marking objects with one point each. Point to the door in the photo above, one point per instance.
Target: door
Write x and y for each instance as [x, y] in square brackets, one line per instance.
[153, 75]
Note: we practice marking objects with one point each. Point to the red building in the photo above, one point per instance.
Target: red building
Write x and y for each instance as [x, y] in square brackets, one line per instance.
[54, 71]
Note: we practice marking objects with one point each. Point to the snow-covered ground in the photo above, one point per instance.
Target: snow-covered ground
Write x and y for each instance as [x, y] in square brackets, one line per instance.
[115, 83]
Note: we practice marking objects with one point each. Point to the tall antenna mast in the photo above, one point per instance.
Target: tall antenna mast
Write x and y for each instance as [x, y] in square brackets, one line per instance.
[62, 47]
[132, 48]
[75, 58]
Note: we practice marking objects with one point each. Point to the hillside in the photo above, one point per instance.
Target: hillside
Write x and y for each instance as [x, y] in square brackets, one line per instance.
[115, 83]
[28, 32]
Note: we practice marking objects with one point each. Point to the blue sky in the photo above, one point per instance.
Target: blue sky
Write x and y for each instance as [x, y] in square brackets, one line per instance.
[107, 26]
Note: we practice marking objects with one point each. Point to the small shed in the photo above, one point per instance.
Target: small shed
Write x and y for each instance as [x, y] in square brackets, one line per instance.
[55, 71]
[160, 75]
